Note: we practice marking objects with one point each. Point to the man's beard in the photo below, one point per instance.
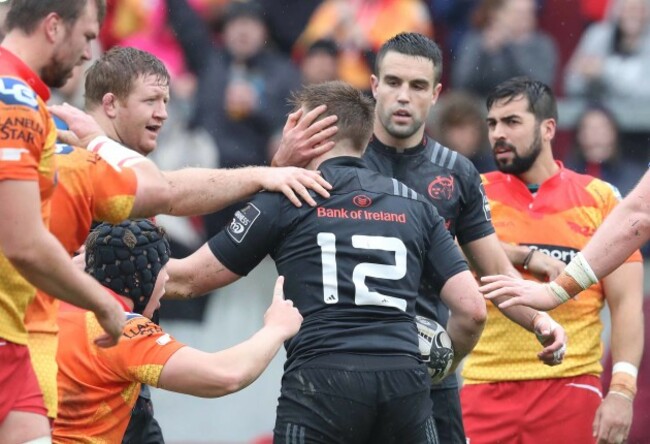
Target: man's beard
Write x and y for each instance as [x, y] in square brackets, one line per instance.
[519, 164]
[55, 75]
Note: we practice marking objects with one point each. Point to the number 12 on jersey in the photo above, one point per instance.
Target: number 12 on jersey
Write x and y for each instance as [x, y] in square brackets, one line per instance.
[362, 294]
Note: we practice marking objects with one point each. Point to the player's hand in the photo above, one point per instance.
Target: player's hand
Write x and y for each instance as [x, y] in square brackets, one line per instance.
[81, 124]
[613, 420]
[304, 138]
[79, 261]
[544, 266]
[294, 183]
[112, 319]
[282, 315]
[519, 292]
[552, 336]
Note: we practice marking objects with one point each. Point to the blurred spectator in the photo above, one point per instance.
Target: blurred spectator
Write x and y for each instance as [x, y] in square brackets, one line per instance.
[242, 88]
[505, 44]
[458, 122]
[612, 60]
[287, 19]
[597, 151]
[455, 16]
[593, 10]
[321, 63]
[360, 27]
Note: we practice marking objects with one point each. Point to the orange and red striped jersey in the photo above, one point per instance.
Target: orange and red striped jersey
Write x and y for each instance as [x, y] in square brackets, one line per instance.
[558, 220]
[89, 189]
[27, 139]
[99, 386]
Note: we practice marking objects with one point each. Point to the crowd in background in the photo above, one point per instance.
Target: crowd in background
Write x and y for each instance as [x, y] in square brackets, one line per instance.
[235, 63]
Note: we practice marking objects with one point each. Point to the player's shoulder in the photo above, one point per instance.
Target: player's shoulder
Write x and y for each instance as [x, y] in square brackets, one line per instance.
[138, 326]
[602, 191]
[447, 160]
[15, 92]
[493, 177]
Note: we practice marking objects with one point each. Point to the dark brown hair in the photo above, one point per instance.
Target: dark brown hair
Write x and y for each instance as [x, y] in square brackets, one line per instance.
[26, 14]
[117, 70]
[355, 111]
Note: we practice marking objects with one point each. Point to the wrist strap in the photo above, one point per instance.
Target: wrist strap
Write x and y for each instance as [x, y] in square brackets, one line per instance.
[527, 259]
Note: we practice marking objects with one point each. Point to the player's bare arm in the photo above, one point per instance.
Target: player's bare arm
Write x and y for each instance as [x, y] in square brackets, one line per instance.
[467, 313]
[623, 290]
[190, 191]
[216, 374]
[541, 265]
[196, 275]
[41, 259]
[305, 137]
[487, 257]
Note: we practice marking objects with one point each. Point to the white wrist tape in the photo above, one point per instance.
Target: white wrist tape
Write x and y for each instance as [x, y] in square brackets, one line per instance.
[626, 367]
[115, 154]
[580, 270]
[559, 292]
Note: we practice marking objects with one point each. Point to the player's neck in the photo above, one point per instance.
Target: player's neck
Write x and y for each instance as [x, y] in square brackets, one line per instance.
[342, 148]
[400, 144]
[543, 169]
[26, 49]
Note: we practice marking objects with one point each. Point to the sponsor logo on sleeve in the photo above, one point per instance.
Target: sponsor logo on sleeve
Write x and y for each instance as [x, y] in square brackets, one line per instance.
[242, 222]
[164, 339]
[15, 92]
[486, 203]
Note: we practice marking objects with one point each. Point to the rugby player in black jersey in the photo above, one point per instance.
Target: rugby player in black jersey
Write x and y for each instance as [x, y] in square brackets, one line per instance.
[406, 84]
[352, 266]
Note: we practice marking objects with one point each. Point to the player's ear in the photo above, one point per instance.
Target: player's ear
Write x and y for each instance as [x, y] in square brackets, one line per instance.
[109, 104]
[374, 82]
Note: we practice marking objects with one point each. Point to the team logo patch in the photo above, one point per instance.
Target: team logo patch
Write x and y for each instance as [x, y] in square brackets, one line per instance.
[361, 200]
[442, 187]
[242, 222]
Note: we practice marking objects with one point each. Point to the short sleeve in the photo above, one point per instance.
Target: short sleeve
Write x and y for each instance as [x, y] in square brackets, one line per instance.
[444, 259]
[142, 352]
[474, 219]
[24, 129]
[114, 191]
[253, 233]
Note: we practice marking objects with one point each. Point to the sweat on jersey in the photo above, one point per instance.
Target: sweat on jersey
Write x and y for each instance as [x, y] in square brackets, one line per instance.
[352, 265]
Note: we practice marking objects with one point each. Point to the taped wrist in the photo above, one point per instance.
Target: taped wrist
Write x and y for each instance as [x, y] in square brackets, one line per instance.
[576, 277]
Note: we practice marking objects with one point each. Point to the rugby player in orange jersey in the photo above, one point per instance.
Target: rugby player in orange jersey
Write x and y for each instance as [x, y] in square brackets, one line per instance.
[130, 260]
[45, 40]
[538, 203]
[126, 185]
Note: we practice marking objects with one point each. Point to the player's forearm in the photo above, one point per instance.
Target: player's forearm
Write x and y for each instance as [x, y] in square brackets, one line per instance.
[237, 367]
[45, 264]
[202, 190]
[517, 254]
[464, 333]
[626, 229]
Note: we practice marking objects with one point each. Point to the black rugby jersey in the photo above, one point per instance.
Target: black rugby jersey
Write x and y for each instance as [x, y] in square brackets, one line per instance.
[352, 265]
[452, 184]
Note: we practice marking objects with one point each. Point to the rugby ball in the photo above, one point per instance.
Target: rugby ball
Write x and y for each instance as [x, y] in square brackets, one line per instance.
[435, 347]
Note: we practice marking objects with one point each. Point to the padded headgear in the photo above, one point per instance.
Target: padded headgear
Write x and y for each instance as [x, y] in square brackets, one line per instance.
[127, 258]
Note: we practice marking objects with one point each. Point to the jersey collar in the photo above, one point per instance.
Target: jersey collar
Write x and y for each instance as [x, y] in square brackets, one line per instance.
[343, 161]
[14, 66]
[378, 145]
